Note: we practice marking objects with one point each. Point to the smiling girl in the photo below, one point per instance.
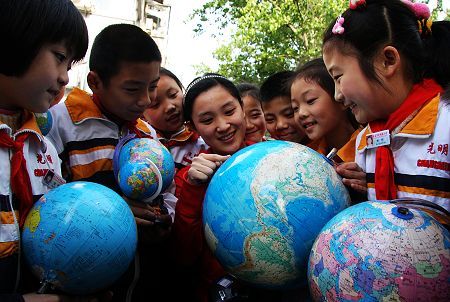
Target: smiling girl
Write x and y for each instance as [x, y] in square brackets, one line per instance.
[165, 114]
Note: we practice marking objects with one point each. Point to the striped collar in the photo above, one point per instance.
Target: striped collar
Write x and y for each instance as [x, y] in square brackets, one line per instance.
[80, 106]
[420, 125]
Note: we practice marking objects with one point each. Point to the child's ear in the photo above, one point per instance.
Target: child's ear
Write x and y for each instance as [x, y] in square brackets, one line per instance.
[94, 81]
[390, 61]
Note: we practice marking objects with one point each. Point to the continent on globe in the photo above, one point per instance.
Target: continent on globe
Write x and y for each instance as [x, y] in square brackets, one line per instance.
[79, 238]
[144, 169]
[265, 206]
[377, 251]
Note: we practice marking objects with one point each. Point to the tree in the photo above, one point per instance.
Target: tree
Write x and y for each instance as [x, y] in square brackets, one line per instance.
[268, 35]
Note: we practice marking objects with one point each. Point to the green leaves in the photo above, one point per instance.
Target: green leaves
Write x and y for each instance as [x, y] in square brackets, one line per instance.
[269, 35]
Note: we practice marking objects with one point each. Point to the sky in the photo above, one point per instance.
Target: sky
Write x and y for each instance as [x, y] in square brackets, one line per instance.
[186, 49]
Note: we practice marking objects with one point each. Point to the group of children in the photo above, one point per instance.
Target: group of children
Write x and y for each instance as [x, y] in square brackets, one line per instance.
[377, 96]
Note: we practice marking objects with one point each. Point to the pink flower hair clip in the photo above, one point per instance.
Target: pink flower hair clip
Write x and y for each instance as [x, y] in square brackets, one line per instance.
[354, 4]
[338, 29]
[421, 10]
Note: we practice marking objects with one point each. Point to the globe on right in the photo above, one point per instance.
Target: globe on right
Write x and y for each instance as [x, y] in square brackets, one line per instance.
[380, 251]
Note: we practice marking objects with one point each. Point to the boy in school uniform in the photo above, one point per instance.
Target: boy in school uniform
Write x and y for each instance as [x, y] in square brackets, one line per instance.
[124, 73]
[278, 111]
[42, 40]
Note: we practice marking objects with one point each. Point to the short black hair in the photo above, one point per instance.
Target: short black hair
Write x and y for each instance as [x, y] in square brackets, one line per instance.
[276, 85]
[252, 90]
[315, 71]
[170, 74]
[27, 25]
[202, 84]
[120, 43]
[390, 22]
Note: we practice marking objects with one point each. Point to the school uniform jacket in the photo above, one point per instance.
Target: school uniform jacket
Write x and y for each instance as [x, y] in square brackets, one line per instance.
[40, 156]
[420, 146]
[86, 139]
[184, 146]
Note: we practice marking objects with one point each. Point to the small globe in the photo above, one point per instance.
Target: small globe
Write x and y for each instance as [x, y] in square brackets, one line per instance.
[377, 251]
[146, 168]
[44, 122]
[265, 206]
[79, 237]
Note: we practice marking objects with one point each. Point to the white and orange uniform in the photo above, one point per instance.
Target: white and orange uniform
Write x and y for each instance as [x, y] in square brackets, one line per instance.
[420, 146]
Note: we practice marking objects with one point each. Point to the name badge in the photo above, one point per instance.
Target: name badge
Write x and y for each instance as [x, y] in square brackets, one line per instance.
[52, 180]
[377, 139]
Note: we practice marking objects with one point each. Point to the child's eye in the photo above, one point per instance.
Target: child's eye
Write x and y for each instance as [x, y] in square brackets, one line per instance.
[131, 90]
[311, 101]
[289, 113]
[152, 88]
[269, 121]
[229, 112]
[337, 77]
[206, 121]
[173, 95]
[60, 56]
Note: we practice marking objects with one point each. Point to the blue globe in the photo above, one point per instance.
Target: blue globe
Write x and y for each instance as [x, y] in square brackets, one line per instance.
[265, 206]
[146, 168]
[44, 122]
[378, 251]
[79, 237]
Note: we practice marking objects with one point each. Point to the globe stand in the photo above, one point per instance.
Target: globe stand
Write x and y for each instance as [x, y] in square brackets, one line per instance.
[402, 213]
[45, 286]
[438, 212]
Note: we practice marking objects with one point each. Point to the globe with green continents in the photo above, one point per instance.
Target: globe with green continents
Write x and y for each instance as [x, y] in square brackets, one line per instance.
[79, 238]
[145, 168]
[379, 251]
[264, 208]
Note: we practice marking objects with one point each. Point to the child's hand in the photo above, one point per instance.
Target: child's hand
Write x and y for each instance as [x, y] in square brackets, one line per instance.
[353, 176]
[203, 167]
[152, 226]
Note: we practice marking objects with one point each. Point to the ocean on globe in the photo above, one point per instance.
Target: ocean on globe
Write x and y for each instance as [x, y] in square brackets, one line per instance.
[146, 168]
[79, 237]
[378, 251]
[265, 206]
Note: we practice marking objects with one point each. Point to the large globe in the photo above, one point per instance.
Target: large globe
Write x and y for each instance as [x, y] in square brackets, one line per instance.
[378, 251]
[146, 168]
[79, 237]
[265, 206]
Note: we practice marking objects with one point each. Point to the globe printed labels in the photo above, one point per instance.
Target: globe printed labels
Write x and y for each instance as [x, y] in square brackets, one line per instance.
[378, 139]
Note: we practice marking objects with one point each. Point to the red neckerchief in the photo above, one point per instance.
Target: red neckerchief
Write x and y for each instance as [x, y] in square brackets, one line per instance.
[420, 94]
[131, 126]
[20, 180]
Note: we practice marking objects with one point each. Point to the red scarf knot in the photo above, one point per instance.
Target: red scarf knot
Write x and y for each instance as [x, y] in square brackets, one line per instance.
[20, 180]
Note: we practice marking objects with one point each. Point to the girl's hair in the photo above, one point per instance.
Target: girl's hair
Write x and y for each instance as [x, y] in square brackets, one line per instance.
[205, 83]
[27, 25]
[316, 71]
[379, 23]
[247, 89]
[171, 75]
